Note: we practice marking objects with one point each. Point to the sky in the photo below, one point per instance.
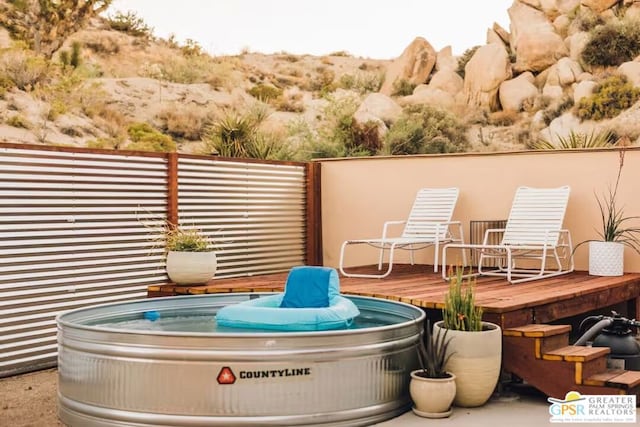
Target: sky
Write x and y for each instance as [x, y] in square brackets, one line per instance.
[379, 29]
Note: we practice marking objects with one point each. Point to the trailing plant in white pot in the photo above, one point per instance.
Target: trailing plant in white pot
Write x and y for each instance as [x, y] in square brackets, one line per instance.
[191, 258]
[606, 255]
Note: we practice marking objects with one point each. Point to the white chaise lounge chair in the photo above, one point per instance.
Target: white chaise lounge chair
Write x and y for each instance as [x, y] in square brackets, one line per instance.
[429, 224]
[532, 236]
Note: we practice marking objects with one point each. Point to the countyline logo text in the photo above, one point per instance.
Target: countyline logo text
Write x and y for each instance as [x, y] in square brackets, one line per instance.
[275, 373]
[227, 376]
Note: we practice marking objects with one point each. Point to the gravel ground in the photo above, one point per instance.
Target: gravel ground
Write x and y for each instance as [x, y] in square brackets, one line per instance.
[30, 400]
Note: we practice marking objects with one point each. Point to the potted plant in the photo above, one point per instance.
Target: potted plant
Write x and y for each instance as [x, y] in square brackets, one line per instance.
[191, 258]
[476, 348]
[432, 388]
[606, 256]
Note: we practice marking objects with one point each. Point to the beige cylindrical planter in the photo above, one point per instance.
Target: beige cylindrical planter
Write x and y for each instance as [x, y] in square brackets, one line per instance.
[191, 268]
[606, 258]
[475, 361]
[432, 397]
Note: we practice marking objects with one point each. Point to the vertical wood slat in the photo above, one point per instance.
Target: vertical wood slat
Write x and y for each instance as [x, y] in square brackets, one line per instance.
[172, 188]
[314, 254]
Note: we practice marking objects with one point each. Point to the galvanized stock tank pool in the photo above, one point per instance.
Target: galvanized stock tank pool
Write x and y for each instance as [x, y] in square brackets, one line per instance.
[164, 362]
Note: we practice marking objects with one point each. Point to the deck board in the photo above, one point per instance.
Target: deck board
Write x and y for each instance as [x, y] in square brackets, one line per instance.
[510, 305]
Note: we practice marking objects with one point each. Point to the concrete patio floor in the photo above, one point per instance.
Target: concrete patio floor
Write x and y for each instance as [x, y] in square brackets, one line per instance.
[521, 406]
[520, 410]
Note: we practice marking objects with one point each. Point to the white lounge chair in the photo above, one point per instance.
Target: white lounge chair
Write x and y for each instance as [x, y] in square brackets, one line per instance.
[429, 224]
[533, 235]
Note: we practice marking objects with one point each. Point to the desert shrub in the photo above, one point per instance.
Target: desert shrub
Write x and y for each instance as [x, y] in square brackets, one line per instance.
[503, 118]
[24, 69]
[366, 136]
[197, 69]
[402, 87]
[19, 121]
[340, 126]
[185, 122]
[191, 48]
[464, 59]
[339, 135]
[612, 96]
[130, 23]
[556, 109]
[291, 102]
[104, 44]
[63, 94]
[146, 138]
[362, 82]
[587, 19]
[186, 70]
[424, 130]
[343, 53]
[74, 57]
[265, 93]
[288, 57]
[323, 82]
[105, 143]
[612, 44]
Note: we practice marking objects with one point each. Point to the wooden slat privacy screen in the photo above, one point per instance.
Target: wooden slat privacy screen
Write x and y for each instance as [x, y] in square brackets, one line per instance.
[77, 228]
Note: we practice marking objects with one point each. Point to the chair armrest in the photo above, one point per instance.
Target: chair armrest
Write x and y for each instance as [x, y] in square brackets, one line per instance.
[489, 231]
[387, 224]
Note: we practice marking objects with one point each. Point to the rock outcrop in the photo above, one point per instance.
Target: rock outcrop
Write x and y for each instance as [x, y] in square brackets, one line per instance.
[515, 92]
[484, 73]
[533, 39]
[414, 65]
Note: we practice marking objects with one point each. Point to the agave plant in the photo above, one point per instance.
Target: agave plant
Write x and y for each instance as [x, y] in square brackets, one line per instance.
[433, 354]
[578, 140]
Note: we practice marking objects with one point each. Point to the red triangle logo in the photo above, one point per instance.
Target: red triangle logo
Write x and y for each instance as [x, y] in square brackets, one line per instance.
[226, 376]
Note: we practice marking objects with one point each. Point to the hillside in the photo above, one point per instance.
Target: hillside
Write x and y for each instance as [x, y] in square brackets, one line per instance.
[112, 84]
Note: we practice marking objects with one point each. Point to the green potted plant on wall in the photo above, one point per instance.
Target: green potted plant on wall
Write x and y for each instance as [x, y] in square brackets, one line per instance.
[432, 388]
[191, 257]
[476, 346]
[606, 255]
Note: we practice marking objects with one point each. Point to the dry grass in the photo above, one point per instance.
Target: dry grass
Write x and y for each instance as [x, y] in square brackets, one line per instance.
[188, 122]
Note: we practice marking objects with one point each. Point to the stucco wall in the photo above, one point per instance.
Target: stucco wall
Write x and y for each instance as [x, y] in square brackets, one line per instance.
[358, 195]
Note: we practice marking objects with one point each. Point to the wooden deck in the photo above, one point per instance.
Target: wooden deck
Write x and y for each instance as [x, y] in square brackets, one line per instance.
[509, 305]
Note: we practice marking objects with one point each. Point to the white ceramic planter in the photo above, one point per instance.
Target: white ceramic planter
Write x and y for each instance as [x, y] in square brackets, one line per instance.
[475, 362]
[191, 268]
[432, 397]
[606, 258]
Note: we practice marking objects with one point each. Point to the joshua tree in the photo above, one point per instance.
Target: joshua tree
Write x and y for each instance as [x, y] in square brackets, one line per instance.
[45, 24]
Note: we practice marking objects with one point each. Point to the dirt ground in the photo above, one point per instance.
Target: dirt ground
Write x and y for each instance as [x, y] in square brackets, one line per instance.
[30, 400]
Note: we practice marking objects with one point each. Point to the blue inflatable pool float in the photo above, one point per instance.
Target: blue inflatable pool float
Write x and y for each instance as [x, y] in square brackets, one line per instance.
[311, 302]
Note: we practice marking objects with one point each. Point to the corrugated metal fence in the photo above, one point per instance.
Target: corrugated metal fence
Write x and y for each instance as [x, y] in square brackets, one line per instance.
[81, 227]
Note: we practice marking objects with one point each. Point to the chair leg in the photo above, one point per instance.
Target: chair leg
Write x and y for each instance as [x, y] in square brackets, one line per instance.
[436, 251]
[464, 253]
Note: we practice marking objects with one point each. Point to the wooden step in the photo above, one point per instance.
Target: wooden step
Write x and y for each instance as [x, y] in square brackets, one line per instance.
[537, 330]
[617, 378]
[576, 353]
[546, 337]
